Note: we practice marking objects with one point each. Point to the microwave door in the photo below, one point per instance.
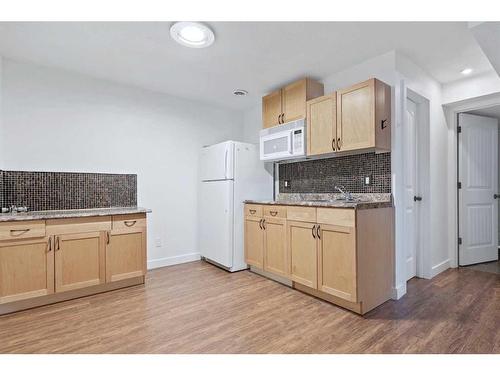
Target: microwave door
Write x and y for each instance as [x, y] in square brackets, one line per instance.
[276, 145]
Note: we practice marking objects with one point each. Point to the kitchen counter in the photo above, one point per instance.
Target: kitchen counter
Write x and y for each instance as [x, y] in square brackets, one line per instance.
[65, 214]
[361, 201]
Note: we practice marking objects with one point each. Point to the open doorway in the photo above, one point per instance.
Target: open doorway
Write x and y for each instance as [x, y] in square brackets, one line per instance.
[478, 186]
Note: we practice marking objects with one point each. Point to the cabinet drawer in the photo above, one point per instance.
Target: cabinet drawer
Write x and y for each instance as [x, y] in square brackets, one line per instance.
[78, 225]
[301, 213]
[22, 229]
[132, 221]
[336, 216]
[275, 211]
[253, 210]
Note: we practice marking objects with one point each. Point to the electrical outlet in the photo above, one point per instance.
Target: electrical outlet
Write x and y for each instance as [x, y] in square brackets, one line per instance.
[368, 180]
[288, 183]
[158, 242]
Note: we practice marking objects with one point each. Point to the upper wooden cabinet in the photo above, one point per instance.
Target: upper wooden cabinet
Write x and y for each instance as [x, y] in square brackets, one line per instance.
[321, 125]
[352, 119]
[364, 117]
[289, 103]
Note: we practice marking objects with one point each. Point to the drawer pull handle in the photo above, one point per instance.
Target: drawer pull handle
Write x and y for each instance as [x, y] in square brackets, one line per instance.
[260, 223]
[50, 244]
[130, 223]
[273, 213]
[19, 232]
[312, 230]
[253, 211]
[264, 224]
[318, 232]
[107, 238]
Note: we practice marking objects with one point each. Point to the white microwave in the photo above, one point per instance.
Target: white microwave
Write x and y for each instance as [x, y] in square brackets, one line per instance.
[287, 141]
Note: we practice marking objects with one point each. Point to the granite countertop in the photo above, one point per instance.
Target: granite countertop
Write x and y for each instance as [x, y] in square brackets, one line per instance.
[65, 214]
[361, 201]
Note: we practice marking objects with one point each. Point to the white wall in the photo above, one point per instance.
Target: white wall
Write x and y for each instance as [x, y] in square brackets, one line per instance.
[484, 84]
[59, 121]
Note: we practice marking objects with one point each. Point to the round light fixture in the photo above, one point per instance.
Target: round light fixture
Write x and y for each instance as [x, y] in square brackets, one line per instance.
[466, 71]
[192, 34]
[239, 92]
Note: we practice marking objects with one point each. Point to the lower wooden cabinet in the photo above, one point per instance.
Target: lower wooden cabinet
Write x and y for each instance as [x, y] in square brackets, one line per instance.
[26, 269]
[71, 258]
[254, 242]
[275, 246]
[125, 254]
[79, 260]
[337, 261]
[303, 249]
[344, 256]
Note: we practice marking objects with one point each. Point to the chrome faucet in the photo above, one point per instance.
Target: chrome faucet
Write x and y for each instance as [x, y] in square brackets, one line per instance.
[344, 192]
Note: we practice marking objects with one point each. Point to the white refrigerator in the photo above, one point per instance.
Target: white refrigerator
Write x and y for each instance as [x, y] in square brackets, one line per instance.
[231, 172]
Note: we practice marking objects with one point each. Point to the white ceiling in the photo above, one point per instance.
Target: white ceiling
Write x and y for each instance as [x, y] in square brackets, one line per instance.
[255, 56]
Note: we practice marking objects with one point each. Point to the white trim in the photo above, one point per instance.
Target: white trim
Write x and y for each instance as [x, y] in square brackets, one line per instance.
[170, 261]
[440, 267]
[451, 111]
[399, 291]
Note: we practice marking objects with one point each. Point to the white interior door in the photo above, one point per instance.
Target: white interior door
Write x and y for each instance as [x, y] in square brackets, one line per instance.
[410, 181]
[478, 174]
[216, 221]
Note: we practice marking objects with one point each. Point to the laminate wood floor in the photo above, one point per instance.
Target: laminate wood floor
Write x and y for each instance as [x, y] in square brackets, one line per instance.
[198, 308]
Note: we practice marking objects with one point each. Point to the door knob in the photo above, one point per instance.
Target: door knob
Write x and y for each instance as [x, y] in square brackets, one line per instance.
[415, 198]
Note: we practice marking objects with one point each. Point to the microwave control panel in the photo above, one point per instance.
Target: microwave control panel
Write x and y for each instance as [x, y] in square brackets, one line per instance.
[298, 141]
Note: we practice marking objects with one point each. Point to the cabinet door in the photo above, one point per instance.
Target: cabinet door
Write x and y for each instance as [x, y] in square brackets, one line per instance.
[125, 254]
[276, 258]
[321, 125]
[254, 242]
[79, 260]
[271, 109]
[26, 269]
[356, 117]
[337, 261]
[302, 245]
[294, 100]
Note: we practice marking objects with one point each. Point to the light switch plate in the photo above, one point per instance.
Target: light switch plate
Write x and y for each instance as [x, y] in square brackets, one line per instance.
[368, 180]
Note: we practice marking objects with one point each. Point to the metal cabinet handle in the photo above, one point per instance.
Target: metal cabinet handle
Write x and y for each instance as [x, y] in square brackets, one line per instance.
[338, 144]
[57, 244]
[279, 118]
[273, 213]
[107, 238]
[19, 232]
[313, 231]
[264, 224]
[333, 144]
[318, 233]
[260, 223]
[130, 223]
[253, 211]
[383, 124]
[50, 244]
[415, 198]
[496, 196]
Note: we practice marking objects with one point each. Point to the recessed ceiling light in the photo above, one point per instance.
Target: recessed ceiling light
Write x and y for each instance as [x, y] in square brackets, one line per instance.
[192, 34]
[239, 92]
[466, 71]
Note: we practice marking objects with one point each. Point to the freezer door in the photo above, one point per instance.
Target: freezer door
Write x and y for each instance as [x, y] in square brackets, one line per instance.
[217, 162]
[216, 221]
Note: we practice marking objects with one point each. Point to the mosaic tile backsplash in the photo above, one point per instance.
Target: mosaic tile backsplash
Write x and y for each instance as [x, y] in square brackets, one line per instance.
[66, 190]
[321, 176]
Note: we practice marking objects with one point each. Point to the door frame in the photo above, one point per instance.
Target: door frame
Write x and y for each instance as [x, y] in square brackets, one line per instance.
[451, 112]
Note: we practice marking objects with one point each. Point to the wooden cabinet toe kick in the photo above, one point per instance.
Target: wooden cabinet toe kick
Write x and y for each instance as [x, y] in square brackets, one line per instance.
[8, 308]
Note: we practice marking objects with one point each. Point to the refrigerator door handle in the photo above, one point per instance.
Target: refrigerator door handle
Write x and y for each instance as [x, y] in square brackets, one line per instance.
[225, 165]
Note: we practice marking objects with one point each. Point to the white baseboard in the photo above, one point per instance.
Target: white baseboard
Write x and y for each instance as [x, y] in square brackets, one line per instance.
[398, 291]
[170, 261]
[440, 267]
